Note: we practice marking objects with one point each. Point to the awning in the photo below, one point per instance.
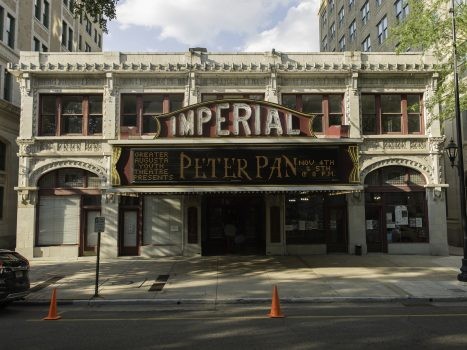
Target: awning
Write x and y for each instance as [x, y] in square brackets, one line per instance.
[335, 189]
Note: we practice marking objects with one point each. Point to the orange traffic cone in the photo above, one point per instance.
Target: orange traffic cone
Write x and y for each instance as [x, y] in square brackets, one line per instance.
[53, 308]
[275, 307]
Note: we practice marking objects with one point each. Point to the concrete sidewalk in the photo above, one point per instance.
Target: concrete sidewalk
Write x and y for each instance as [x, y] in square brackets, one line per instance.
[237, 279]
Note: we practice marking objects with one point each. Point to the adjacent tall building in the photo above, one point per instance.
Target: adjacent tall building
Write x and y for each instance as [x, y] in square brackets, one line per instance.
[359, 25]
[30, 25]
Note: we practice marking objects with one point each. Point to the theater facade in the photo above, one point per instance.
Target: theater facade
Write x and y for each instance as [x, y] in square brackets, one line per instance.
[202, 153]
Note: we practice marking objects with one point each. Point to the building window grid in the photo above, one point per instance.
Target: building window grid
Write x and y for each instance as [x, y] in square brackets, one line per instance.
[341, 16]
[352, 31]
[402, 9]
[365, 11]
[366, 44]
[332, 30]
[392, 114]
[324, 43]
[37, 9]
[137, 111]
[382, 29]
[342, 43]
[327, 108]
[70, 115]
[10, 31]
[45, 14]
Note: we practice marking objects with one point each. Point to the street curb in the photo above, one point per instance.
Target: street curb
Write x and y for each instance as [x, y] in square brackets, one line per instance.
[186, 301]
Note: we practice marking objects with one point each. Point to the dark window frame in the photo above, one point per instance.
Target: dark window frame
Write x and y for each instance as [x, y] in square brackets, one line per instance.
[138, 127]
[59, 116]
[325, 114]
[404, 111]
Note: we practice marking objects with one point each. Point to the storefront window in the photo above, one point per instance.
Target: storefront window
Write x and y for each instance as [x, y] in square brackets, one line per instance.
[304, 219]
[395, 207]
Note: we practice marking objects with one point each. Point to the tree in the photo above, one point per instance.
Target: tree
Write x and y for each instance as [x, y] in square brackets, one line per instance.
[100, 11]
[428, 27]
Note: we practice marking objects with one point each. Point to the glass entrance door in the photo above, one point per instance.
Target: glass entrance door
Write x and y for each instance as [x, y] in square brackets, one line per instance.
[375, 235]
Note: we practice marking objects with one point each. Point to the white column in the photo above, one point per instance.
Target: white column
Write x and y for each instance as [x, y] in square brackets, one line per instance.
[356, 220]
[109, 238]
[436, 203]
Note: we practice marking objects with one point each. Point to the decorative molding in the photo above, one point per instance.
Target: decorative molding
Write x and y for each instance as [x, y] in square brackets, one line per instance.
[313, 82]
[81, 82]
[155, 82]
[36, 174]
[394, 82]
[406, 162]
[382, 145]
[31, 147]
[240, 81]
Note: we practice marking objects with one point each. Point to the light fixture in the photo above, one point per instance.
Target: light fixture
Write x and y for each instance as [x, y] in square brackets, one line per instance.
[451, 151]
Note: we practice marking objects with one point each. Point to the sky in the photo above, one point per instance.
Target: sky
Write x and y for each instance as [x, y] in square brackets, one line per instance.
[218, 25]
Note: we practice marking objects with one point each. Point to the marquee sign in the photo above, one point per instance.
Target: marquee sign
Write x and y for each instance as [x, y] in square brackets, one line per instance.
[234, 117]
[242, 165]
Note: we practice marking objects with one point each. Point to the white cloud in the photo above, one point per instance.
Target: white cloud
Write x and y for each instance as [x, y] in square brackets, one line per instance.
[195, 22]
[299, 31]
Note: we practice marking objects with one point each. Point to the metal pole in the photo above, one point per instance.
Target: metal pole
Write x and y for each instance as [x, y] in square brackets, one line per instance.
[462, 276]
[96, 290]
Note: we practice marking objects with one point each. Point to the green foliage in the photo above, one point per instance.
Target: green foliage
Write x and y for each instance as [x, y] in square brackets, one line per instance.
[100, 11]
[428, 28]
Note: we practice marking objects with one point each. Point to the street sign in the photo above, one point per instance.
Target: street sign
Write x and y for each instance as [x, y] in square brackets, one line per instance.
[99, 224]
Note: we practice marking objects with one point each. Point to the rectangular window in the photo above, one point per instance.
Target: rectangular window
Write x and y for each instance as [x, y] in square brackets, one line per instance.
[88, 26]
[37, 9]
[365, 11]
[378, 2]
[44, 48]
[331, 5]
[2, 156]
[382, 29]
[392, 114]
[341, 16]
[366, 44]
[324, 18]
[64, 33]
[328, 109]
[95, 35]
[401, 8]
[10, 31]
[99, 41]
[1, 201]
[351, 3]
[138, 111]
[333, 30]
[87, 47]
[80, 43]
[342, 44]
[352, 31]
[2, 15]
[36, 45]
[70, 115]
[7, 87]
[45, 14]
[70, 40]
[324, 43]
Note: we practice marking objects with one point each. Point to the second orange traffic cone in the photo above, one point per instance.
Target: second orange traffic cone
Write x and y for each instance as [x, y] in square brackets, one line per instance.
[53, 308]
[275, 305]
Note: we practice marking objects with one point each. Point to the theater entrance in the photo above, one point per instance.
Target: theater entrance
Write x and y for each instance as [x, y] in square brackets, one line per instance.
[233, 224]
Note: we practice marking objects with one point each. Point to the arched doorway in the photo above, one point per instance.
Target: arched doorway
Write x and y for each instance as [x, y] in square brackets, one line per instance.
[69, 201]
[395, 208]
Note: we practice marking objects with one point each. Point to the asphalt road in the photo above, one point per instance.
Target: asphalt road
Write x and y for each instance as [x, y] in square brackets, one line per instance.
[325, 326]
